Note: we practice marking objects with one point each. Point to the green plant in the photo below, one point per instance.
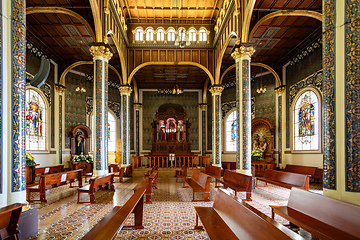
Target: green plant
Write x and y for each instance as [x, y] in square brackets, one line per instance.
[257, 154]
[83, 158]
[30, 160]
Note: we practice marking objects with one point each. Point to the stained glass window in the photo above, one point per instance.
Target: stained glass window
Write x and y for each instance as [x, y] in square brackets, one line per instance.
[139, 34]
[35, 115]
[306, 122]
[230, 132]
[171, 35]
[160, 34]
[149, 34]
[202, 35]
[111, 129]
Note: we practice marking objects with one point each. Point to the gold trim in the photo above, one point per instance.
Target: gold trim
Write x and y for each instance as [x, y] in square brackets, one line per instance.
[97, 20]
[116, 72]
[216, 89]
[101, 51]
[171, 64]
[247, 20]
[221, 55]
[226, 71]
[137, 106]
[203, 106]
[205, 90]
[125, 89]
[33, 10]
[136, 91]
[121, 56]
[280, 90]
[60, 88]
[258, 64]
[243, 51]
[300, 13]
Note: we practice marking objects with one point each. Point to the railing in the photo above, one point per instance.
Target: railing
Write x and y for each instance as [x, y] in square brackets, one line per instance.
[191, 161]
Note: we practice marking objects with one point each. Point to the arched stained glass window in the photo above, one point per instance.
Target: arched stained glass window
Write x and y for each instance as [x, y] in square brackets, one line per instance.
[306, 113]
[202, 35]
[111, 132]
[192, 35]
[230, 132]
[35, 115]
[171, 35]
[149, 34]
[139, 34]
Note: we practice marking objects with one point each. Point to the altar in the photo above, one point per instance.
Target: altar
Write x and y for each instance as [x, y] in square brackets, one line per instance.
[171, 131]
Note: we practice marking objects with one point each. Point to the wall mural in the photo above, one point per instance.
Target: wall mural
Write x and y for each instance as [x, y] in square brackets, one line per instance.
[352, 86]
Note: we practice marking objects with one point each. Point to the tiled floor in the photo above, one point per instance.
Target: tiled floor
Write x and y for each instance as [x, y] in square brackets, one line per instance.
[170, 216]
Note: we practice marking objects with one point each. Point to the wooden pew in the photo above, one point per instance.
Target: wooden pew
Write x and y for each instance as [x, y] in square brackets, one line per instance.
[199, 182]
[181, 173]
[54, 180]
[114, 221]
[149, 183]
[318, 175]
[9, 219]
[101, 182]
[285, 179]
[237, 182]
[323, 217]
[48, 170]
[128, 171]
[300, 169]
[229, 219]
[114, 168]
[214, 172]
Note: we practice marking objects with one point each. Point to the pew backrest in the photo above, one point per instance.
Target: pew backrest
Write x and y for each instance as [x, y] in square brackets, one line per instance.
[9, 219]
[202, 179]
[336, 213]
[300, 169]
[294, 179]
[61, 178]
[213, 171]
[237, 179]
[48, 170]
[98, 182]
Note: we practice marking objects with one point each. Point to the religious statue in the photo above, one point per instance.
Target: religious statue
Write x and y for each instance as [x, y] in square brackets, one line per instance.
[180, 131]
[80, 144]
[162, 132]
[118, 154]
[171, 130]
[256, 143]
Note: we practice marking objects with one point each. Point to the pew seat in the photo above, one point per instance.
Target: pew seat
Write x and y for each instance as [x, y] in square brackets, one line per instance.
[199, 182]
[323, 217]
[95, 184]
[285, 179]
[237, 182]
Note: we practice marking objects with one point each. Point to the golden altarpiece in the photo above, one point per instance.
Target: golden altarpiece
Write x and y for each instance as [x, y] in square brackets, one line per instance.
[170, 131]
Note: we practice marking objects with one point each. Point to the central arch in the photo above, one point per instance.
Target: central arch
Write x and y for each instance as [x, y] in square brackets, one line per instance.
[171, 64]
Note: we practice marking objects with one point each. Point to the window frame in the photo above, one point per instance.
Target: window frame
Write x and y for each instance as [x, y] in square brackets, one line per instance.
[149, 34]
[159, 31]
[319, 118]
[47, 121]
[192, 32]
[173, 32]
[137, 31]
[203, 30]
[233, 110]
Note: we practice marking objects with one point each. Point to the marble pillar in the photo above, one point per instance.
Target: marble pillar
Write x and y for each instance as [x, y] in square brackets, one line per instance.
[216, 91]
[203, 107]
[242, 56]
[125, 91]
[101, 56]
[138, 107]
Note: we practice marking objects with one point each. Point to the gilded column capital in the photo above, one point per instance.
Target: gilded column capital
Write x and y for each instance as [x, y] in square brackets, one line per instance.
[60, 88]
[138, 106]
[243, 51]
[280, 89]
[216, 89]
[125, 89]
[101, 51]
[203, 106]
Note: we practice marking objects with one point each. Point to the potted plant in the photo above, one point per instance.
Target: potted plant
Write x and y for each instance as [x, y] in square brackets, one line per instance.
[257, 154]
[30, 160]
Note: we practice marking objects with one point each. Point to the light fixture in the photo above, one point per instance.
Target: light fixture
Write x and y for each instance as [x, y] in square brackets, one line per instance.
[182, 39]
[261, 89]
[177, 90]
[80, 88]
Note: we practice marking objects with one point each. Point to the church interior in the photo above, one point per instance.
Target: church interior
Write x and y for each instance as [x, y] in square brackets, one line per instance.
[179, 119]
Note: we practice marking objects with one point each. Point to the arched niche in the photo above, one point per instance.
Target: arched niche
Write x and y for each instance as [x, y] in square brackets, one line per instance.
[75, 132]
[263, 129]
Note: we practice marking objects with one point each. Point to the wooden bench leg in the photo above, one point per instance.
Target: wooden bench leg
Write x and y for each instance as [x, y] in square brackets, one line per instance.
[197, 223]
[206, 196]
[92, 198]
[248, 196]
[43, 197]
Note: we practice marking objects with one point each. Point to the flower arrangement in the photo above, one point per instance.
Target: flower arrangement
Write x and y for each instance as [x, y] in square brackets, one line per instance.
[30, 160]
[257, 154]
[83, 158]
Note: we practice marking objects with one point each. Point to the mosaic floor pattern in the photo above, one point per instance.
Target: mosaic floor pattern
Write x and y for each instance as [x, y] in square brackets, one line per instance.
[170, 216]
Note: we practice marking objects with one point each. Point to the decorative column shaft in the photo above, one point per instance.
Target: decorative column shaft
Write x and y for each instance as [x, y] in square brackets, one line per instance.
[203, 108]
[59, 118]
[242, 56]
[138, 107]
[101, 56]
[13, 81]
[125, 92]
[280, 113]
[216, 91]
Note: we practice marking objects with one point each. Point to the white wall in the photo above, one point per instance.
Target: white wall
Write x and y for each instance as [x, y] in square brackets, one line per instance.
[313, 160]
[45, 159]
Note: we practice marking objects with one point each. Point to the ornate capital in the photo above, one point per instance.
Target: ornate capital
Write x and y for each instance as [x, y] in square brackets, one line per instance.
[243, 51]
[125, 89]
[203, 106]
[60, 88]
[138, 106]
[216, 89]
[280, 89]
[101, 51]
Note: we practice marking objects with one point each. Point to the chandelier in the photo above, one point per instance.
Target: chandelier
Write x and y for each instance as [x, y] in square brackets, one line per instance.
[177, 90]
[182, 39]
[261, 89]
[80, 88]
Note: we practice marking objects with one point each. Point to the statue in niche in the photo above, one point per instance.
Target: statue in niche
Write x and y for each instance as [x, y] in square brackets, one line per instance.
[171, 130]
[162, 132]
[80, 147]
[180, 131]
[260, 141]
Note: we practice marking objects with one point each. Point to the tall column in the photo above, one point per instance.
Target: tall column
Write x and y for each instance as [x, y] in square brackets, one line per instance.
[242, 56]
[138, 107]
[125, 92]
[216, 91]
[280, 120]
[59, 102]
[203, 107]
[101, 56]
[341, 99]
[12, 125]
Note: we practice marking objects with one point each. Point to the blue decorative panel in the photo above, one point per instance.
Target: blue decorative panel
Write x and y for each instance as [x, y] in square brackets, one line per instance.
[329, 127]
[137, 119]
[60, 129]
[203, 119]
[238, 115]
[217, 130]
[124, 131]
[352, 93]
[98, 123]
[280, 128]
[246, 115]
